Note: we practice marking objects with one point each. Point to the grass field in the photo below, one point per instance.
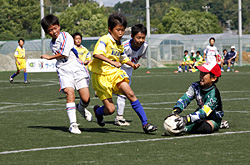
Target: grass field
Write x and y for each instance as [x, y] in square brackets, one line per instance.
[34, 123]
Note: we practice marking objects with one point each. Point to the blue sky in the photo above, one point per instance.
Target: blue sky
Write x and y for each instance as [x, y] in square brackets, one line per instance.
[111, 2]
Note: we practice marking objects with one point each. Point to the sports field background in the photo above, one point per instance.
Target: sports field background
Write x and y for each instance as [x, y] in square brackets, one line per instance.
[34, 123]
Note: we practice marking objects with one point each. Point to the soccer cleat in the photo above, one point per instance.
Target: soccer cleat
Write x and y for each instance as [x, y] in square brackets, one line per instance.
[85, 113]
[149, 128]
[120, 121]
[186, 71]
[99, 118]
[224, 124]
[222, 70]
[228, 70]
[73, 128]
[26, 82]
[11, 80]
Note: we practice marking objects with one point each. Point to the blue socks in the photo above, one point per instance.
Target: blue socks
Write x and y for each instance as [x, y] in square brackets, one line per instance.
[100, 111]
[25, 76]
[185, 67]
[136, 105]
[14, 75]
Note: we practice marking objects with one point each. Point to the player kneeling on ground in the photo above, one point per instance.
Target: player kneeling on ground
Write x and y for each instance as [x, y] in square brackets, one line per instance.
[208, 116]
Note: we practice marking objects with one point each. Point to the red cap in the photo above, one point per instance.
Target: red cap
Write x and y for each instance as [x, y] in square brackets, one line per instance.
[214, 68]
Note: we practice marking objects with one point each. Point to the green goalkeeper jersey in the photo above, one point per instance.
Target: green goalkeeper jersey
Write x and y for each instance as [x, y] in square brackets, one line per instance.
[208, 100]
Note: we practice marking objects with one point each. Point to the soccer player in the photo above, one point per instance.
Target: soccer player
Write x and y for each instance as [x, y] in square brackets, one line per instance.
[71, 71]
[210, 52]
[208, 116]
[108, 78]
[20, 61]
[184, 62]
[83, 52]
[135, 49]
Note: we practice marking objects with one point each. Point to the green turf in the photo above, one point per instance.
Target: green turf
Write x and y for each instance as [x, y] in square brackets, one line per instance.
[34, 116]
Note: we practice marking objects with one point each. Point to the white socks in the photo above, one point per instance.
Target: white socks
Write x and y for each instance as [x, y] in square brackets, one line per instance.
[71, 111]
[121, 99]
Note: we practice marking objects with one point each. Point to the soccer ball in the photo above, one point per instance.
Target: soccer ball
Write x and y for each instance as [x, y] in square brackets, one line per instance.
[170, 126]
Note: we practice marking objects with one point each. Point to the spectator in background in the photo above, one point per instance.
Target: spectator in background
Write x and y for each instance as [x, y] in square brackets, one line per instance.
[229, 59]
[184, 62]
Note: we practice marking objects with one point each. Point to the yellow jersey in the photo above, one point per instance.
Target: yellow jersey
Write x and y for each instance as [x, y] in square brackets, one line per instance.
[20, 53]
[83, 53]
[107, 46]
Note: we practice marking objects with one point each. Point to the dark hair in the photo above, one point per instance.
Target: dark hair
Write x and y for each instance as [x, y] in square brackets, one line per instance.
[212, 76]
[198, 52]
[20, 40]
[212, 38]
[185, 51]
[77, 34]
[224, 50]
[49, 20]
[116, 19]
[138, 28]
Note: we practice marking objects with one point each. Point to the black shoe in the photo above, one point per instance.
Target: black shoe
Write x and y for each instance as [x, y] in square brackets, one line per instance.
[149, 128]
[26, 82]
[99, 118]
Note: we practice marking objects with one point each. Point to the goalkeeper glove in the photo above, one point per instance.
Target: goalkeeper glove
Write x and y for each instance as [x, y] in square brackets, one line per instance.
[182, 121]
[176, 111]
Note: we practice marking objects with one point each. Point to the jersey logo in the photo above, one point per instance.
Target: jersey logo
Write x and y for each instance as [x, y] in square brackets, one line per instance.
[115, 52]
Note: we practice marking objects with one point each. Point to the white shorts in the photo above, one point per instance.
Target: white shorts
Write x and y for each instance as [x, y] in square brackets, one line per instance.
[73, 75]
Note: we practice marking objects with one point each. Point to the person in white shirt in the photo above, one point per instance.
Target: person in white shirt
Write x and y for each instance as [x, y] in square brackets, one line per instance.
[135, 49]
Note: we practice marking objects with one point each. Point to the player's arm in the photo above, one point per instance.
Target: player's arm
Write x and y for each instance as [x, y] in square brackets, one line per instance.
[103, 58]
[135, 66]
[48, 57]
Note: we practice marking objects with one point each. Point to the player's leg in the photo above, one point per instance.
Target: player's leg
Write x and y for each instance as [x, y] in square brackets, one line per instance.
[221, 65]
[14, 75]
[84, 102]
[120, 120]
[204, 127]
[108, 108]
[71, 109]
[25, 76]
[136, 105]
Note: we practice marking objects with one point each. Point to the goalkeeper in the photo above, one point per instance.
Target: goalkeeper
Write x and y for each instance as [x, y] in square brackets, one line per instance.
[208, 116]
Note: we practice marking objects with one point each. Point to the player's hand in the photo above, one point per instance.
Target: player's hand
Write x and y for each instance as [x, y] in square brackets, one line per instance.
[182, 121]
[45, 56]
[136, 66]
[176, 111]
[86, 62]
[116, 64]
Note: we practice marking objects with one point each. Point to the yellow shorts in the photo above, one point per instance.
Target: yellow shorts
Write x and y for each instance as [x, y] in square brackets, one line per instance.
[185, 63]
[105, 85]
[22, 64]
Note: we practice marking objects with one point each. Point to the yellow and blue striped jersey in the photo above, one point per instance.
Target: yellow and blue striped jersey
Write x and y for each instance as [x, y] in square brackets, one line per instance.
[83, 53]
[107, 46]
[20, 53]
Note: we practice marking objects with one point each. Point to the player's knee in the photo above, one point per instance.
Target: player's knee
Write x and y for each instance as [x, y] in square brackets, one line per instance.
[131, 96]
[205, 128]
[85, 100]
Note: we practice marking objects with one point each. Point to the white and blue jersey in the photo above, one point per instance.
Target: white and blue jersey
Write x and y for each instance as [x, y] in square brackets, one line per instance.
[64, 44]
[133, 55]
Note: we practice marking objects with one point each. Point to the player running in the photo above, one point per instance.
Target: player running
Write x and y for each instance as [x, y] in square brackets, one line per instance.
[108, 78]
[20, 61]
[135, 49]
[71, 71]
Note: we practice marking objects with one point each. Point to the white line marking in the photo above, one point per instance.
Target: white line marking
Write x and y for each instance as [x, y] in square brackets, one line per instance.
[120, 142]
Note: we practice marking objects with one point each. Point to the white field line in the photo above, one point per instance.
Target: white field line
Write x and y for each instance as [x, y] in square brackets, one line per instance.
[119, 142]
